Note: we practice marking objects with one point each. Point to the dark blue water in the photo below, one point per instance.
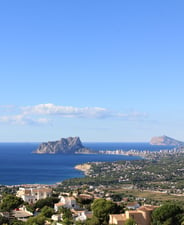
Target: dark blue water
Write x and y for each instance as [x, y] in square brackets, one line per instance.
[19, 166]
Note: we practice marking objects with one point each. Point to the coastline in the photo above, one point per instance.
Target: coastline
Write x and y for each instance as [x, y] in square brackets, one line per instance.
[83, 167]
[61, 167]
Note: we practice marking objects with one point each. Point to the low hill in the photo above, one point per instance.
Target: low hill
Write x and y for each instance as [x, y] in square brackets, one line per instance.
[165, 140]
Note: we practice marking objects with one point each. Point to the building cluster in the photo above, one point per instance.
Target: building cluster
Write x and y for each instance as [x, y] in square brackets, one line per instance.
[145, 153]
[140, 214]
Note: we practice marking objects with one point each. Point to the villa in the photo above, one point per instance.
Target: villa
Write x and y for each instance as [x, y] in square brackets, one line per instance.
[142, 216]
[67, 202]
[31, 195]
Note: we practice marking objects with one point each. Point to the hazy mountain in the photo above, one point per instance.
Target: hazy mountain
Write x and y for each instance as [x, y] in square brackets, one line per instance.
[165, 140]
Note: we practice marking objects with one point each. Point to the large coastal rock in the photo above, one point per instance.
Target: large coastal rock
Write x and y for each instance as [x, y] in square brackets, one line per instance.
[69, 145]
[165, 140]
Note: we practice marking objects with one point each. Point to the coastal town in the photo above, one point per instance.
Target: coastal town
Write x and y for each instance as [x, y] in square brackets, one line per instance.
[146, 154]
[162, 173]
[39, 203]
[121, 191]
[91, 113]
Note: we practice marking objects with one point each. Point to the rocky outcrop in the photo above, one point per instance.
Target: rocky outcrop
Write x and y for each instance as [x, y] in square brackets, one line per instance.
[165, 140]
[69, 145]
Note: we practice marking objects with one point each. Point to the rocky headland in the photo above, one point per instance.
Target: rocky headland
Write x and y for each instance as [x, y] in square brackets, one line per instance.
[165, 140]
[70, 145]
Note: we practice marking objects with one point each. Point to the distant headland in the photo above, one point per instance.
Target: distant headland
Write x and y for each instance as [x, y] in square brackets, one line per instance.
[70, 145]
[73, 145]
[165, 140]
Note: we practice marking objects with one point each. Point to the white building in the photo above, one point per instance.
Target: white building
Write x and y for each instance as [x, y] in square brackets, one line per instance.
[67, 202]
[83, 215]
[31, 195]
[57, 217]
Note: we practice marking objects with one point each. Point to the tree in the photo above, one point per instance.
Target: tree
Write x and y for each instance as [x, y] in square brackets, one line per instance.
[130, 221]
[67, 216]
[84, 203]
[167, 214]
[80, 223]
[29, 207]
[47, 211]
[16, 222]
[67, 221]
[102, 208]
[66, 213]
[3, 220]
[10, 202]
[37, 220]
[46, 202]
[92, 221]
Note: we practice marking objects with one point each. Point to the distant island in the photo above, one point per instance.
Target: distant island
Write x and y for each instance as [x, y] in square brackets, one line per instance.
[73, 145]
[165, 140]
[70, 145]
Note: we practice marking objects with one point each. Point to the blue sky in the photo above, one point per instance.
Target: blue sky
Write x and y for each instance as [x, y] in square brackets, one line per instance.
[102, 70]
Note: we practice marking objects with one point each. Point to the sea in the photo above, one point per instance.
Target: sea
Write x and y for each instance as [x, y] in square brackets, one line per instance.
[18, 164]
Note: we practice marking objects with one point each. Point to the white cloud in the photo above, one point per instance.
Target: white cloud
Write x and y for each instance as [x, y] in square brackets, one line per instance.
[65, 111]
[40, 114]
[17, 119]
[22, 120]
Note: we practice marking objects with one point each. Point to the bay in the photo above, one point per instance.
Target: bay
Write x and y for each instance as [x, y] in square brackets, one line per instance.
[18, 165]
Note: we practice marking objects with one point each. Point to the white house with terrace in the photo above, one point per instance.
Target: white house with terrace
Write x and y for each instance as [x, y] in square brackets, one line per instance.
[32, 195]
[66, 202]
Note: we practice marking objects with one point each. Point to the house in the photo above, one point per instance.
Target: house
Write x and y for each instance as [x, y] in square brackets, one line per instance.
[133, 205]
[57, 217]
[85, 196]
[67, 202]
[58, 205]
[118, 219]
[31, 195]
[21, 214]
[82, 215]
[142, 216]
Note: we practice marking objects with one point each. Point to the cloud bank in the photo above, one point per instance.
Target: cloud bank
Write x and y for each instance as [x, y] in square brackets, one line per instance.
[65, 111]
[44, 113]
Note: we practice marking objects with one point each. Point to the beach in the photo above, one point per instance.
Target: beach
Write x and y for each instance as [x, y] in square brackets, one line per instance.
[83, 167]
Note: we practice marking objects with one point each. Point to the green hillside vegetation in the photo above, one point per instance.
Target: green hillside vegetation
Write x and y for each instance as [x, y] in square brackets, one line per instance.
[165, 174]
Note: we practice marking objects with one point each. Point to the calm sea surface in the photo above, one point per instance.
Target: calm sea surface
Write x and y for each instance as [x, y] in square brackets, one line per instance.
[19, 166]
